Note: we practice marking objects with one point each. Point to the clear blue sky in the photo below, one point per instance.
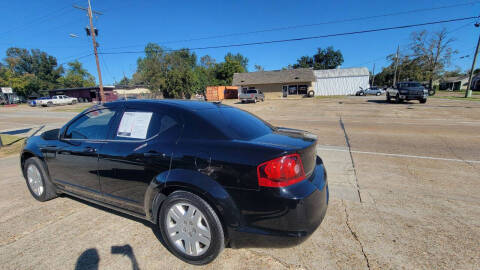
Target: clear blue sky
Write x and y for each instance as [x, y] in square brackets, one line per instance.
[131, 24]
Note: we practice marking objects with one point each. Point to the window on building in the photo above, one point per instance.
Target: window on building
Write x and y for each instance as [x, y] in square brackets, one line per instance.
[302, 89]
[292, 90]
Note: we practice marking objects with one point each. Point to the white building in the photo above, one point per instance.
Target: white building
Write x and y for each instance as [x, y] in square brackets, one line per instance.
[341, 81]
[302, 81]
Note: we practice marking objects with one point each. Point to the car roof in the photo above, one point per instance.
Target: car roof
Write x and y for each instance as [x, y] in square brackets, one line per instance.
[191, 105]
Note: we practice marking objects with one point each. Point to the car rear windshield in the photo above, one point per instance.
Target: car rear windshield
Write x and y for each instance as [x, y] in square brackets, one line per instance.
[236, 123]
[251, 91]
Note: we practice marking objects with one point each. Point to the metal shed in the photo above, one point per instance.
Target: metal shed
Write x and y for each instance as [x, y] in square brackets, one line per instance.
[341, 81]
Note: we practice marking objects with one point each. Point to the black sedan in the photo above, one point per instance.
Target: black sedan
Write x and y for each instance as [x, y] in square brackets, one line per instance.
[208, 175]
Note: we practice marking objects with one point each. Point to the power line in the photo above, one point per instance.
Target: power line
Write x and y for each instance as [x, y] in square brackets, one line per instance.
[310, 25]
[310, 37]
[406, 48]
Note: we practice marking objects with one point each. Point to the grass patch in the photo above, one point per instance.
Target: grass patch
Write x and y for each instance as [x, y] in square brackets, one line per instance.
[11, 145]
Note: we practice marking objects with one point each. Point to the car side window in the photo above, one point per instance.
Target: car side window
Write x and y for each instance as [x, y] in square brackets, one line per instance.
[140, 125]
[92, 125]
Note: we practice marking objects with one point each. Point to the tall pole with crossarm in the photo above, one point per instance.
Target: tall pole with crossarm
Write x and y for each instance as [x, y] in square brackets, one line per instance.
[93, 35]
[468, 93]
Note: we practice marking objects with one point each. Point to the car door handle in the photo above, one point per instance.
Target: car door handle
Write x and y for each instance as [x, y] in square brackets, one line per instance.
[154, 154]
[89, 149]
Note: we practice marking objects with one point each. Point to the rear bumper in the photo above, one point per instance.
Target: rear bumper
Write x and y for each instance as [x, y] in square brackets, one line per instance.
[289, 215]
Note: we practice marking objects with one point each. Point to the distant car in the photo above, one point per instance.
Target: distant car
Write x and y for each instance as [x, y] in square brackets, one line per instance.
[374, 91]
[57, 100]
[407, 91]
[251, 95]
[34, 102]
[205, 174]
[370, 91]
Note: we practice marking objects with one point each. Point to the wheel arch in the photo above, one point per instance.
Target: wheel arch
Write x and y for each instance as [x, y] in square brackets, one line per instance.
[26, 154]
[199, 184]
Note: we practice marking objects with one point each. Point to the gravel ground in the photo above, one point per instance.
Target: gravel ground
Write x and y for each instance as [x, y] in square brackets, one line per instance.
[404, 182]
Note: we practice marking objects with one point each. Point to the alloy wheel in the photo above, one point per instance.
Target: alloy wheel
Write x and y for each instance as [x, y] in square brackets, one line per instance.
[35, 180]
[188, 229]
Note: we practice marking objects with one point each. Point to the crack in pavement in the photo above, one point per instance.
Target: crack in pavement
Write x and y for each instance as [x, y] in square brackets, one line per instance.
[285, 264]
[351, 158]
[354, 234]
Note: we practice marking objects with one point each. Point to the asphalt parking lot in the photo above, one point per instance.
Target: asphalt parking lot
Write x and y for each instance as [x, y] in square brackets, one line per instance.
[404, 181]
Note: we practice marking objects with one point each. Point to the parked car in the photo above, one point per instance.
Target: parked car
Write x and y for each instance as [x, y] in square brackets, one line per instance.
[407, 91]
[370, 91]
[251, 95]
[374, 91]
[56, 100]
[34, 102]
[208, 175]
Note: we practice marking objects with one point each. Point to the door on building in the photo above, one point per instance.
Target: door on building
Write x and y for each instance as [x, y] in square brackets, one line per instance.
[285, 90]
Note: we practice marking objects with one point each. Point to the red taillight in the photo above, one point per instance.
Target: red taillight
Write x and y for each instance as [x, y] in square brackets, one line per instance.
[281, 172]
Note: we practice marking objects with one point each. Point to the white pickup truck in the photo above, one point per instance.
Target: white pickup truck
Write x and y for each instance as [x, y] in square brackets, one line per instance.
[56, 100]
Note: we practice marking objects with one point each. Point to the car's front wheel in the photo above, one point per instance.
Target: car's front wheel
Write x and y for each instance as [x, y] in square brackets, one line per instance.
[37, 180]
[191, 228]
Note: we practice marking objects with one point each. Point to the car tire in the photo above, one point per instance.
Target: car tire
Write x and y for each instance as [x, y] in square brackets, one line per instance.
[397, 99]
[361, 94]
[389, 99]
[311, 93]
[208, 222]
[378, 94]
[423, 101]
[37, 180]
[49, 104]
[243, 101]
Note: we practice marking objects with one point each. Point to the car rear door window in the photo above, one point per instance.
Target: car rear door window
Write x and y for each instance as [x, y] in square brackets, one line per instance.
[92, 125]
[157, 123]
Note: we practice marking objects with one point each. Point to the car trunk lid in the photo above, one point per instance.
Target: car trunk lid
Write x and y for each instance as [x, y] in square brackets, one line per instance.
[293, 141]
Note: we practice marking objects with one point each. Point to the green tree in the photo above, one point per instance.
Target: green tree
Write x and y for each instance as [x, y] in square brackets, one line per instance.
[324, 59]
[43, 66]
[224, 71]
[125, 81]
[76, 76]
[433, 51]
[152, 69]
[30, 70]
[238, 58]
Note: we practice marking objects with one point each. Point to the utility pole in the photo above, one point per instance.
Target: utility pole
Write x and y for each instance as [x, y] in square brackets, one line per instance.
[396, 66]
[468, 93]
[373, 78]
[93, 34]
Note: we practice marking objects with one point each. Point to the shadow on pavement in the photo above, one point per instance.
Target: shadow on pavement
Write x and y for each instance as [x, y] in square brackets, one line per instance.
[126, 250]
[384, 101]
[90, 258]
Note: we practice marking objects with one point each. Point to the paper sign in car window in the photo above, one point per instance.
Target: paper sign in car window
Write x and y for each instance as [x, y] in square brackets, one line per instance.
[134, 125]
